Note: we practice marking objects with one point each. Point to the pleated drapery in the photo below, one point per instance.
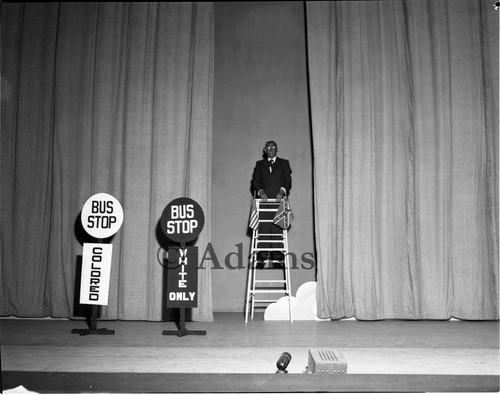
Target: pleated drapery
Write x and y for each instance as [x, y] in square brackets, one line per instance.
[117, 98]
[404, 112]
[101, 97]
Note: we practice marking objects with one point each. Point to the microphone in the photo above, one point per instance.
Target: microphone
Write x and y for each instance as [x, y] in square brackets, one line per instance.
[283, 362]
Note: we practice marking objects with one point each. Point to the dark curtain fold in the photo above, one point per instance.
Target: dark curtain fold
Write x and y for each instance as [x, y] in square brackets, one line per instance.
[404, 100]
[101, 97]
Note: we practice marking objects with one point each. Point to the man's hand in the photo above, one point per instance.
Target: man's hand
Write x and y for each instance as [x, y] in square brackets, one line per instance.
[279, 196]
[262, 195]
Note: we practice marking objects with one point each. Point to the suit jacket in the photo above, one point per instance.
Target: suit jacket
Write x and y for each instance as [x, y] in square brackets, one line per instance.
[271, 183]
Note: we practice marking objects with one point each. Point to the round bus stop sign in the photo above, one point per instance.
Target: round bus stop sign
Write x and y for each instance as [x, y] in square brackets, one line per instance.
[182, 220]
[102, 215]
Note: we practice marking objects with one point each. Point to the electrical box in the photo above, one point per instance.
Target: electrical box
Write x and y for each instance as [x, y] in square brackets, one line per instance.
[326, 361]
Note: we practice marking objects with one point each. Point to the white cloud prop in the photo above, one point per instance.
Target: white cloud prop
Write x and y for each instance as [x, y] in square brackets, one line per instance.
[303, 306]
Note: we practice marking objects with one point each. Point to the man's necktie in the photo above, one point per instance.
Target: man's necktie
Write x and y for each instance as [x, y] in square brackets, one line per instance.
[271, 164]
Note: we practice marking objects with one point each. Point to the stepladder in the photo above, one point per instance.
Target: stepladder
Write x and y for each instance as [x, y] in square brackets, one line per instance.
[268, 250]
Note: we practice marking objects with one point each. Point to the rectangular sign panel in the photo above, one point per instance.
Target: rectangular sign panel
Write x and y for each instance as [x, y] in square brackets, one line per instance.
[96, 269]
[182, 277]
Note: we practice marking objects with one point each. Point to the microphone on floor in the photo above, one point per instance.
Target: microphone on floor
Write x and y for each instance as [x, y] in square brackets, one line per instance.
[283, 362]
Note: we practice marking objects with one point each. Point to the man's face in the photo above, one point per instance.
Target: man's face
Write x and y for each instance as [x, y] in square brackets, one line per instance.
[271, 149]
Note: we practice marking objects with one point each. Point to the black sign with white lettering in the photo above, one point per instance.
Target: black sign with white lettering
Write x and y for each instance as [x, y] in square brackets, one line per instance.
[182, 220]
[182, 277]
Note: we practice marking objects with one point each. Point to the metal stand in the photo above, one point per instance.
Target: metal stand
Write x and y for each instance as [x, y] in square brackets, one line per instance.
[182, 331]
[93, 330]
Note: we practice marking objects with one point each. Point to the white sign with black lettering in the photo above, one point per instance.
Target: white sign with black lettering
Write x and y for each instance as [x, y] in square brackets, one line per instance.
[102, 215]
[96, 269]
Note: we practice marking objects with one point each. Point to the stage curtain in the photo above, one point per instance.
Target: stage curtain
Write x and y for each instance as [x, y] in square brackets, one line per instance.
[404, 111]
[101, 97]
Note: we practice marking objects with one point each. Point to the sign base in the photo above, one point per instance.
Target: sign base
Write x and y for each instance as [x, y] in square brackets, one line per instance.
[93, 330]
[100, 331]
[182, 331]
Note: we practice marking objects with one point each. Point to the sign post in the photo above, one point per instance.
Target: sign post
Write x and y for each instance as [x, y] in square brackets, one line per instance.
[102, 217]
[182, 221]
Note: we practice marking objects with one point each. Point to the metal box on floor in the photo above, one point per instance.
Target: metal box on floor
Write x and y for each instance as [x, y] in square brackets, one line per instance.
[326, 361]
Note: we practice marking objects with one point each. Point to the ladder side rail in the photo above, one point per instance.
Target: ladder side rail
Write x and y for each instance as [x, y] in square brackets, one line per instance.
[287, 275]
[251, 274]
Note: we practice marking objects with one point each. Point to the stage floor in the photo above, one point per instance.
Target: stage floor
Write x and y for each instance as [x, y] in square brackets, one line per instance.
[231, 347]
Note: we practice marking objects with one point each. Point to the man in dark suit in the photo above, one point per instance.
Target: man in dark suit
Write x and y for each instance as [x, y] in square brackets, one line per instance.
[271, 180]
[272, 175]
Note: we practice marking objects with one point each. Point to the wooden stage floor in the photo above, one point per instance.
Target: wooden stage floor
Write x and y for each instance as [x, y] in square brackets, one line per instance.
[382, 356]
